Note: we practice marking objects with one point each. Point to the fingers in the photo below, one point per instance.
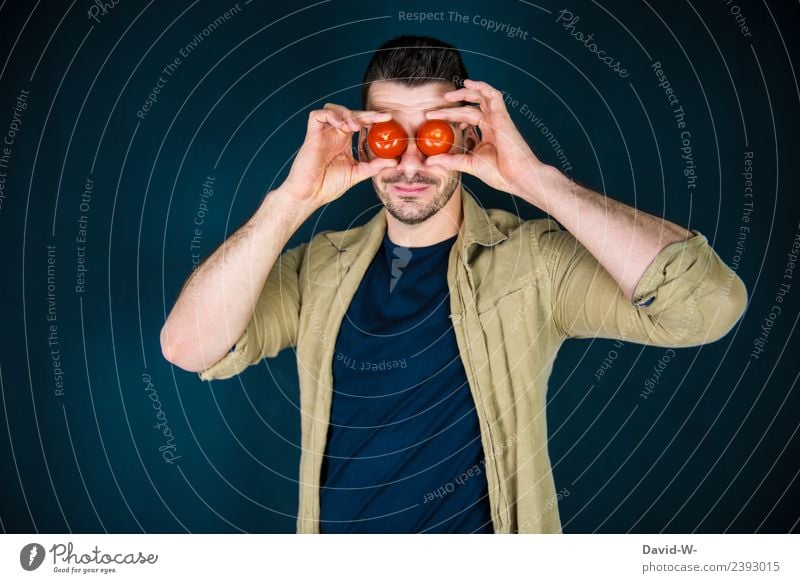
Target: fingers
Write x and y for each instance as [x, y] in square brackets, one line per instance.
[344, 119]
[477, 92]
[355, 119]
[481, 86]
[468, 114]
[318, 119]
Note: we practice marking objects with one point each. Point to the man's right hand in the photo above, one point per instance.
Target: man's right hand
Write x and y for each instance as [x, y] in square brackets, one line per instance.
[324, 167]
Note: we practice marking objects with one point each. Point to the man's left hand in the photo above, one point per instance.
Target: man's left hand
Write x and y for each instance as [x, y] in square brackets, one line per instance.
[502, 159]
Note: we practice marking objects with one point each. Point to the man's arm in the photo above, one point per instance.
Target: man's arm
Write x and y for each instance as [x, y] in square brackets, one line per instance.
[616, 271]
[624, 240]
[226, 288]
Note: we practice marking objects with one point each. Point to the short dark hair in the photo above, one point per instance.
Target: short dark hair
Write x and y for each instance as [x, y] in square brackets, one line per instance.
[414, 60]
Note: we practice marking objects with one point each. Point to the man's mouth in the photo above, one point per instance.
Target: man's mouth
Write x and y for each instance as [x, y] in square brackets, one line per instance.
[410, 188]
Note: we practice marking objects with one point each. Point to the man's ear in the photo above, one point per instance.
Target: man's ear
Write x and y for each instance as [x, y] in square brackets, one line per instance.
[362, 146]
[471, 138]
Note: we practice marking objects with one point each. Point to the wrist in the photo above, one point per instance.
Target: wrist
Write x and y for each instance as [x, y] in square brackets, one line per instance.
[283, 204]
[540, 184]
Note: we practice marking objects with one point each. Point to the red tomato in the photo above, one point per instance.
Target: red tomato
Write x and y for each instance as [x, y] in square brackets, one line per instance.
[387, 139]
[435, 136]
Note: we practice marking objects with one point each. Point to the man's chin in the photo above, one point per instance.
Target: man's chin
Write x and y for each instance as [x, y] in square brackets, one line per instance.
[410, 210]
[408, 218]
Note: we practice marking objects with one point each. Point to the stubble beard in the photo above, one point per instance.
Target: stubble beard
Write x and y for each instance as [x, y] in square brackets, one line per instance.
[411, 210]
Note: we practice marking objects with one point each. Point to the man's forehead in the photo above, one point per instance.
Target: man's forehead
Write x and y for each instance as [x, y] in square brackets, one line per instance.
[393, 96]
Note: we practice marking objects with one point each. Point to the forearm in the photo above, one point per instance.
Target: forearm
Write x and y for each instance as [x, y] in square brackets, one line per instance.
[623, 239]
[218, 299]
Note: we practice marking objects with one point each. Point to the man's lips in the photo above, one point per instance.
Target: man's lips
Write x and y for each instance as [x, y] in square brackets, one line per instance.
[410, 188]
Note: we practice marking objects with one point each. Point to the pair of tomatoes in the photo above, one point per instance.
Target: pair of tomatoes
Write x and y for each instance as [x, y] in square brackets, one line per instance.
[388, 139]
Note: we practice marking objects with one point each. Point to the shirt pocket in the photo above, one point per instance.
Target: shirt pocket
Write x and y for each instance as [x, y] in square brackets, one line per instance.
[516, 295]
[518, 330]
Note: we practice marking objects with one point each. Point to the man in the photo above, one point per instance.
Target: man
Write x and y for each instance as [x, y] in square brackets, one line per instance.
[425, 337]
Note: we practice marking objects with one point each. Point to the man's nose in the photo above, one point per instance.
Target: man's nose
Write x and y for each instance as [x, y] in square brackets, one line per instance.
[412, 160]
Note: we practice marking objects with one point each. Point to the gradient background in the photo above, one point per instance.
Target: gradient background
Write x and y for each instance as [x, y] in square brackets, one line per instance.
[713, 449]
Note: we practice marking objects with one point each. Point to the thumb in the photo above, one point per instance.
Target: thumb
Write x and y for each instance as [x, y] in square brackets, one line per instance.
[454, 162]
[364, 170]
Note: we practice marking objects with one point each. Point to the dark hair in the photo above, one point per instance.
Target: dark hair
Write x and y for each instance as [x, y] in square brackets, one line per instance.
[413, 61]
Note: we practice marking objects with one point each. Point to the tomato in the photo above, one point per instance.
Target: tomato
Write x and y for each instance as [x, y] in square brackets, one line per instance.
[387, 139]
[435, 136]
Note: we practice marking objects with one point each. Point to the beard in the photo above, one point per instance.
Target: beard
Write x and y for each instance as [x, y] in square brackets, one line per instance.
[412, 209]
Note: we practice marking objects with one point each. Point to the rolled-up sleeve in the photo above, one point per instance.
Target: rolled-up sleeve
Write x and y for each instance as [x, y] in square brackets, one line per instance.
[687, 296]
[273, 325]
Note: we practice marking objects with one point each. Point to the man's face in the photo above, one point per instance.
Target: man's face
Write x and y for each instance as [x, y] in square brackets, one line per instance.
[412, 191]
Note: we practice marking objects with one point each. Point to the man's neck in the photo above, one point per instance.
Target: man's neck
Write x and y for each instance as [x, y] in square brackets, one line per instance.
[441, 226]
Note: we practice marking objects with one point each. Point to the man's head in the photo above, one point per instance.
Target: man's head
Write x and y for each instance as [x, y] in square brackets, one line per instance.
[408, 76]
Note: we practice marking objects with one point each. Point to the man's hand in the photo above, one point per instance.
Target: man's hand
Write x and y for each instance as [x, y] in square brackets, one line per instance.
[502, 159]
[324, 167]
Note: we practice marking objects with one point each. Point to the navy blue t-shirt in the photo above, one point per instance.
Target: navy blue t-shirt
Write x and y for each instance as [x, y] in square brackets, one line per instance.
[403, 453]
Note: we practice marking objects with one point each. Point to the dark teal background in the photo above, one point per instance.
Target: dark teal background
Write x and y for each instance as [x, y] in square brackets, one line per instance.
[713, 449]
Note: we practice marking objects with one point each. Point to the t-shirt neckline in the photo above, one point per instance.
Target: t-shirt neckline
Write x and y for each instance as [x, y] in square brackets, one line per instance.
[391, 246]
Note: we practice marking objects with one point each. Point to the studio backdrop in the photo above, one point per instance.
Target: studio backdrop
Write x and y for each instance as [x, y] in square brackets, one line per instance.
[137, 136]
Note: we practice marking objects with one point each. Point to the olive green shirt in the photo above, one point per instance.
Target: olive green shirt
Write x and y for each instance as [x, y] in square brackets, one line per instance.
[518, 289]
